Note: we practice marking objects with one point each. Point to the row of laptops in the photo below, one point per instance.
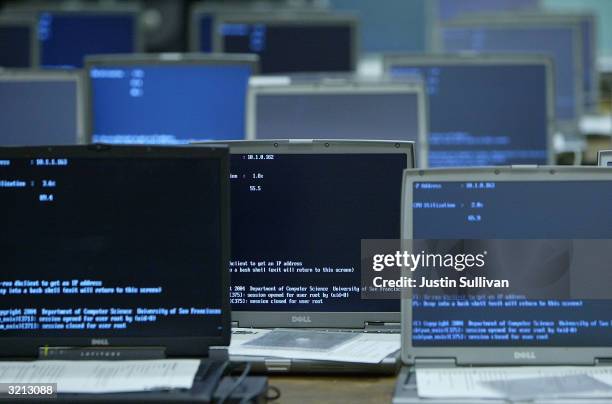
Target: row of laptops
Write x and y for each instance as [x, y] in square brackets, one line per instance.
[297, 204]
[133, 247]
[509, 119]
[289, 41]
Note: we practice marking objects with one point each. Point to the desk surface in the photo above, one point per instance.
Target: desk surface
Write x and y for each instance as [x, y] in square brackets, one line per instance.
[333, 389]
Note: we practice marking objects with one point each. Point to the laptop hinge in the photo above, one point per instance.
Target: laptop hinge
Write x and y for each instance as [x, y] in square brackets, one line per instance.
[380, 326]
[101, 353]
[436, 362]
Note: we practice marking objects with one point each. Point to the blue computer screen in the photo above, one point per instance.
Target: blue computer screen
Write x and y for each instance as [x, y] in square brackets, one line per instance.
[484, 114]
[375, 115]
[168, 104]
[297, 225]
[38, 112]
[66, 38]
[308, 47]
[449, 9]
[542, 210]
[554, 41]
[15, 46]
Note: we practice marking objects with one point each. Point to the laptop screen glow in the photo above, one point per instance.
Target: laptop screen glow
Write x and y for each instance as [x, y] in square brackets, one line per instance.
[516, 210]
[297, 225]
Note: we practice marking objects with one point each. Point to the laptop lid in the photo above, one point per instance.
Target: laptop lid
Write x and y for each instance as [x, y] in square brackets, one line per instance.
[513, 203]
[341, 108]
[562, 41]
[291, 43]
[167, 98]
[68, 32]
[41, 107]
[18, 37]
[300, 209]
[114, 246]
[484, 110]
[604, 158]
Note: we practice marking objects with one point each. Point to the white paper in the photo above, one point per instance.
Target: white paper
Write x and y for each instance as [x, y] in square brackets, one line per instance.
[471, 382]
[104, 376]
[365, 348]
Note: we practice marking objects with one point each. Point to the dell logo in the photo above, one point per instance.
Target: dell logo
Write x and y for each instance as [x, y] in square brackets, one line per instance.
[524, 355]
[99, 342]
[301, 319]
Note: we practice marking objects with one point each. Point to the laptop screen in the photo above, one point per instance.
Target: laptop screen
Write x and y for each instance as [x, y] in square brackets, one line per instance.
[67, 37]
[297, 225]
[158, 103]
[288, 47]
[338, 115]
[484, 113]
[110, 247]
[559, 42]
[16, 40]
[515, 210]
[38, 109]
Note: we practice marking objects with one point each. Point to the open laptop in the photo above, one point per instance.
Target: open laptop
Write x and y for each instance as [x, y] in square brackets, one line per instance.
[484, 110]
[604, 158]
[519, 203]
[41, 107]
[128, 97]
[291, 43]
[341, 107]
[67, 32]
[302, 205]
[127, 251]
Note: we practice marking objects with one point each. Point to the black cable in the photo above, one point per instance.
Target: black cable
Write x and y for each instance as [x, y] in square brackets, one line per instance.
[237, 383]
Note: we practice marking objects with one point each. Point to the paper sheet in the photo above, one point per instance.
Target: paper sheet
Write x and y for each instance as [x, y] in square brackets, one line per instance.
[363, 348]
[103, 376]
[476, 382]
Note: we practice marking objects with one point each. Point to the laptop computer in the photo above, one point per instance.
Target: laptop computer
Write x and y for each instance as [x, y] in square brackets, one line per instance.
[102, 28]
[41, 107]
[604, 158]
[520, 203]
[504, 121]
[291, 43]
[128, 97]
[341, 107]
[126, 249]
[304, 206]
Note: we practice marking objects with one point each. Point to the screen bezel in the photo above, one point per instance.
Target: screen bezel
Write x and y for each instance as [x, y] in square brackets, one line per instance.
[54, 75]
[161, 59]
[291, 19]
[344, 88]
[487, 60]
[480, 355]
[179, 346]
[317, 319]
